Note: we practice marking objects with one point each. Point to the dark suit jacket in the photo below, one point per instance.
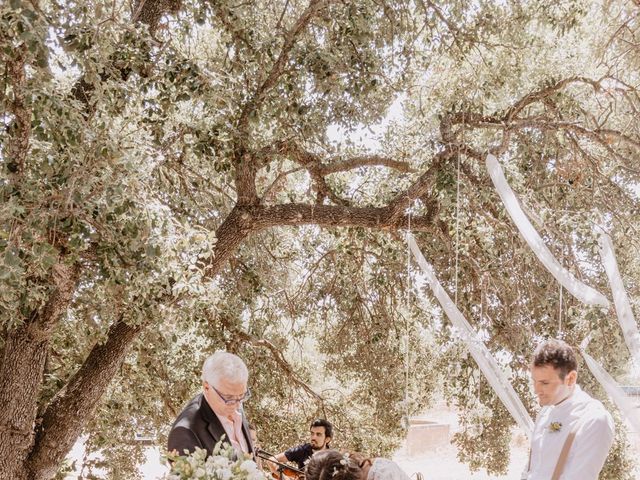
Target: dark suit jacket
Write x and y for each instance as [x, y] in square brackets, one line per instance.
[198, 426]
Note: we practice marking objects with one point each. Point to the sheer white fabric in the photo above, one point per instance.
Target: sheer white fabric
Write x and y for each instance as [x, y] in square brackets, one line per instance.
[488, 365]
[578, 289]
[617, 395]
[620, 300]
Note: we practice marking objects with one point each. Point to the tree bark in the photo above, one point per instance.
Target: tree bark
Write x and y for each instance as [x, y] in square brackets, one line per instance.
[21, 371]
[62, 421]
[20, 375]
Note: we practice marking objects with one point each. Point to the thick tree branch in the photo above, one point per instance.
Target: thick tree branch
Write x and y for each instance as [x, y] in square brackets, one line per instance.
[21, 370]
[244, 221]
[245, 178]
[364, 161]
[233, 231]
[380, 218]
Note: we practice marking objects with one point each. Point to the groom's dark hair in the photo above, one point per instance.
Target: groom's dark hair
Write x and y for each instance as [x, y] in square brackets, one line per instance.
[557, 354]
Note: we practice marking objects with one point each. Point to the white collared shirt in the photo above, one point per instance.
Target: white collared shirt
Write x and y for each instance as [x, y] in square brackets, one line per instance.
[593, 439]
[233, 428]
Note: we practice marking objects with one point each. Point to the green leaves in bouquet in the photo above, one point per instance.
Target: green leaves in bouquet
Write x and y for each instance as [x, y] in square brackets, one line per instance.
[222, 464]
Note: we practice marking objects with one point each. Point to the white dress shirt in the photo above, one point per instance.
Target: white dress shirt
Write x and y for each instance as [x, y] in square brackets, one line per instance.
[233, 428]
[593, 438]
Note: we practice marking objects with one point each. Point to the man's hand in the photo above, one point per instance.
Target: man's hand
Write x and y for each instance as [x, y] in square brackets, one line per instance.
[272, 466]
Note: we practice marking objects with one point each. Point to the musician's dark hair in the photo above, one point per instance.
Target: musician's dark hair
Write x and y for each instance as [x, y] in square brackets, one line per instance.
[321, 422]
[557, 354]
[332, 465]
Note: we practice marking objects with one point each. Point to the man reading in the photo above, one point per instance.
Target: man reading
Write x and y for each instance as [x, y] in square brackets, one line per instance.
[573, 432]
[216, 413]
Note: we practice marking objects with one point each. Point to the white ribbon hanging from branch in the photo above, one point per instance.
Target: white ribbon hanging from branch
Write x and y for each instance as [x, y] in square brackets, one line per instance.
[620, 300]
[582, 292]
[623, 402]
[477, 348]
[578, 289]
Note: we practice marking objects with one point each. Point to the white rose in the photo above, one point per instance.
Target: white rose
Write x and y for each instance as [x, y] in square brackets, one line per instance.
[248, 466]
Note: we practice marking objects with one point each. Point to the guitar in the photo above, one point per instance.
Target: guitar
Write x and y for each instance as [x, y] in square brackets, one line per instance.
[284, 471]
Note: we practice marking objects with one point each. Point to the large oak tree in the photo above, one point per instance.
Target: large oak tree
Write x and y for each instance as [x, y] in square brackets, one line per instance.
[172, 182]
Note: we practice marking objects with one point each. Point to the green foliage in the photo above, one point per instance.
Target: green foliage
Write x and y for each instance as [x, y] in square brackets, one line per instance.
[138, 132]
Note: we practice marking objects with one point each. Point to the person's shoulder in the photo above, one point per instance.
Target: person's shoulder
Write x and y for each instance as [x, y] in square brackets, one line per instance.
[183, 440]
[293, 452]
[595, 407]
[593, 412]
[190, 413]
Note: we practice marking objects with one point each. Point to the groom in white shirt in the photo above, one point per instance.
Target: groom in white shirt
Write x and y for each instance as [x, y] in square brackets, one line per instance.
[573, 432]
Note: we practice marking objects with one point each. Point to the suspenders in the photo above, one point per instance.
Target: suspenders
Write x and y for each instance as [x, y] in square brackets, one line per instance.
[564, 454]
[562, 459]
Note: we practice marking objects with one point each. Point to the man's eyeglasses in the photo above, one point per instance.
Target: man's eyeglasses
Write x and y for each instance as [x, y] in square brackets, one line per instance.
[230, 400]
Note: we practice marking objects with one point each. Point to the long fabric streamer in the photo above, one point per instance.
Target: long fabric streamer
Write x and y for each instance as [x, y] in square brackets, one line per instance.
[582, 292]
[477, 348]
[620, 300]
[622, 401]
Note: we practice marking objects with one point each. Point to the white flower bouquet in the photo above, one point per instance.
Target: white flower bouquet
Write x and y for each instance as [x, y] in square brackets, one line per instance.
[223, 464]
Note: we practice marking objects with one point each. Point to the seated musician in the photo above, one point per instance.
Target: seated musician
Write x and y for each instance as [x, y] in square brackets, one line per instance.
[320, 435]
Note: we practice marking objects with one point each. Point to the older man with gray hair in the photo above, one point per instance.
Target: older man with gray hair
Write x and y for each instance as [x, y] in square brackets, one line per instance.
[217, 411]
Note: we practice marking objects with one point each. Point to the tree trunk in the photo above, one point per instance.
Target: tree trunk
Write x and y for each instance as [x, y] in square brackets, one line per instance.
[69, 410]
[24, 356]
[20, 375]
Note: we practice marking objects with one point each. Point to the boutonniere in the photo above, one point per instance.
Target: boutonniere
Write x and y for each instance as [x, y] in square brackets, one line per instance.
[555, 426]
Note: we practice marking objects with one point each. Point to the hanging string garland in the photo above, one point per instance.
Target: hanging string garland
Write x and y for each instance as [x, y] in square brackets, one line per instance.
[560, 313]
[406, 330]
[455, 293]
